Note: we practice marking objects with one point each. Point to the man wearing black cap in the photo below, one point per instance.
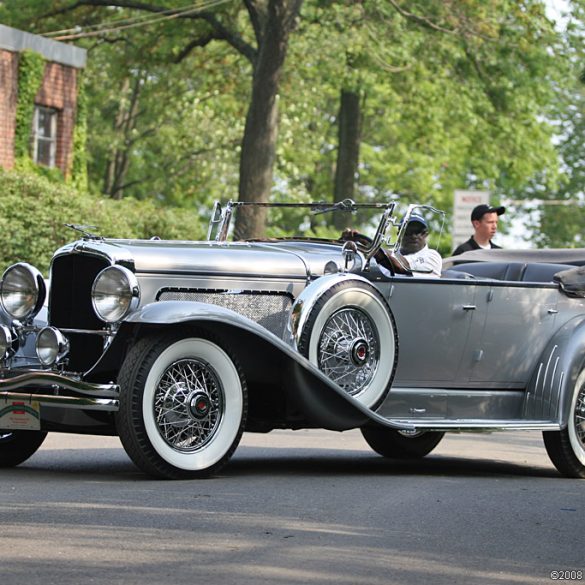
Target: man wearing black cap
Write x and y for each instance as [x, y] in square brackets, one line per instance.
[422, 260]
[485, 224]
[414, 257]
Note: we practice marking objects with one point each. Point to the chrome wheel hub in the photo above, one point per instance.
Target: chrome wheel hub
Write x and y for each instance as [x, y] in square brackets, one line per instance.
[188, 404]
[359, 352]
[349, 349]
[411, 434]
[199, 405]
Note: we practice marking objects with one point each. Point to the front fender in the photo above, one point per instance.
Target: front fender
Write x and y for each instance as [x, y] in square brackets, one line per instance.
[551, 388]
[322, 401]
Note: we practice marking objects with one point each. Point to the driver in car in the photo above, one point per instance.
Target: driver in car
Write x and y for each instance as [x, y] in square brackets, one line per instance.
[422, 260]
[414, 258]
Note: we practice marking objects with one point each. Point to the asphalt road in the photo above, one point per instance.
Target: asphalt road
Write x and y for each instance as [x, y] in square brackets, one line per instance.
[295, 507]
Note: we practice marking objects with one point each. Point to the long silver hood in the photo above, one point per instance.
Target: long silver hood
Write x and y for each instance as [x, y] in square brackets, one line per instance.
[286, 259]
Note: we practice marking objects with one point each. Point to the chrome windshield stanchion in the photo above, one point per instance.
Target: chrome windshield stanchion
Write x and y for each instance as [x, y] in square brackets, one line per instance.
[380, 234]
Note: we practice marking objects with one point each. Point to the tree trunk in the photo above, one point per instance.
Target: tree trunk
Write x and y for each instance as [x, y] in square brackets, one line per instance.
[119, 160]
[349, 136]
[261, 129]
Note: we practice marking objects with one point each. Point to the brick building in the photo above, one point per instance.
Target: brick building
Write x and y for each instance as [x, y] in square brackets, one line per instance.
[51, 142]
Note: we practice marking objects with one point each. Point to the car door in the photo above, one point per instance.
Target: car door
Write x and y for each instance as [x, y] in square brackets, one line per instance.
[519, 320]
[433, 320]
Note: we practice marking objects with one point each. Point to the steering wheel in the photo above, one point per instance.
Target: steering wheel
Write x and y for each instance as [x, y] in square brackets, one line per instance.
[363, 243]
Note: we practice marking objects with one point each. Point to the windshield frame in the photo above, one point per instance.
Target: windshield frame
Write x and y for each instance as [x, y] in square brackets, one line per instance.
[221, 217]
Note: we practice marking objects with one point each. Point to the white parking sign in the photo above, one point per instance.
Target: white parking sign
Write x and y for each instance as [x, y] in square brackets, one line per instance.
[464, 202]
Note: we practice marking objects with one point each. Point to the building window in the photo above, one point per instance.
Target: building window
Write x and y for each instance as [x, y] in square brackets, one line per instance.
[45, 136]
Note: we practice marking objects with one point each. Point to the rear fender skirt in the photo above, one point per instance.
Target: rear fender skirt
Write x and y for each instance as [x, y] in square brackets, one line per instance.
[551, 386]
[320, 400]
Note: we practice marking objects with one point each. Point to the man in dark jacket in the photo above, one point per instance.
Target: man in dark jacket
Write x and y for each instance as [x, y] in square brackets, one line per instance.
[485, 224]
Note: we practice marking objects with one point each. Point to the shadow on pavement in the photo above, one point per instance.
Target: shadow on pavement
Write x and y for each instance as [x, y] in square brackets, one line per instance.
[114, 464]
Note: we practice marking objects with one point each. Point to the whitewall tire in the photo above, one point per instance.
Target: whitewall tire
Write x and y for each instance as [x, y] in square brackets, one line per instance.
[183, 406]
[566, 448]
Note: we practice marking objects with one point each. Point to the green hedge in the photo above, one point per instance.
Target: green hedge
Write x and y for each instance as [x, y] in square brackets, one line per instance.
[33, 211]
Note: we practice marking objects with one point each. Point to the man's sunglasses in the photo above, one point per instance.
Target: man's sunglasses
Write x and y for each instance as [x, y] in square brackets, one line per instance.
[416, 231]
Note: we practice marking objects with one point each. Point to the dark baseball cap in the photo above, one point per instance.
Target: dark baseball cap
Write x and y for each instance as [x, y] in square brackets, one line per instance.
[415, 218]
[479, 211]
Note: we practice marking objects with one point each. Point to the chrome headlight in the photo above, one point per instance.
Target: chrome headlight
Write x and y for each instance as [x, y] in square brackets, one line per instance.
[51, 346]
[23, 291]
[115, 293]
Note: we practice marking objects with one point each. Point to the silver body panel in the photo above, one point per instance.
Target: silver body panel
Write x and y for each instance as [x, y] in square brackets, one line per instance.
[473, 354]
[479, 354]
[480, 335]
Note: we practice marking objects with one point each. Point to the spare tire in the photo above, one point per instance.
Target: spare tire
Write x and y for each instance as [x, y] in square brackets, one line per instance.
[350, 335]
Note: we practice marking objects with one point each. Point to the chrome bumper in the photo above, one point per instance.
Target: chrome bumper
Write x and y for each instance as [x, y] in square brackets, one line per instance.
[97, 396]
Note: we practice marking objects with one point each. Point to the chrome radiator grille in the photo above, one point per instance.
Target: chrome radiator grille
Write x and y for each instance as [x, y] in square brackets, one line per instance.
[72, 277]
[270, 310]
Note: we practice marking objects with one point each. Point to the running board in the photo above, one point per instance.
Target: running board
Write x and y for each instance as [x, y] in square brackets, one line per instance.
[479, 425]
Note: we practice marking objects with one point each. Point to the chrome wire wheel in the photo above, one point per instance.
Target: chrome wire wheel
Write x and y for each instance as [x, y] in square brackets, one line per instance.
[183, 405]
[349, 349]
[188, 404]
[404, 444]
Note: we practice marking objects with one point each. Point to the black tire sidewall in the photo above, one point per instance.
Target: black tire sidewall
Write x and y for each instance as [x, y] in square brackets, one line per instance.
[17, 446]
[395, 445]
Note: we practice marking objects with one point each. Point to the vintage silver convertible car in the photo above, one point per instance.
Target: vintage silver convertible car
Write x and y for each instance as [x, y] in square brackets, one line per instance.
[178, 347]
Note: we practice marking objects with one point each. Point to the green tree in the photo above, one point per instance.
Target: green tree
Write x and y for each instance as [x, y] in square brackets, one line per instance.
[271, 22]
[445, 94]
[158, 133]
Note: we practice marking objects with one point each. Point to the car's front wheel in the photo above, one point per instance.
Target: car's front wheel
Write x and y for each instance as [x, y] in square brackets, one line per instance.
[566, 448]
[401, 444]
[17, 446]
[183, 405]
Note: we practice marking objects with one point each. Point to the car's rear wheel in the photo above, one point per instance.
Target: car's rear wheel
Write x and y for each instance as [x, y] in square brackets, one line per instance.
[183, 405]
[17, 446]
[401, 444]
[566, 448]
[350, 335]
